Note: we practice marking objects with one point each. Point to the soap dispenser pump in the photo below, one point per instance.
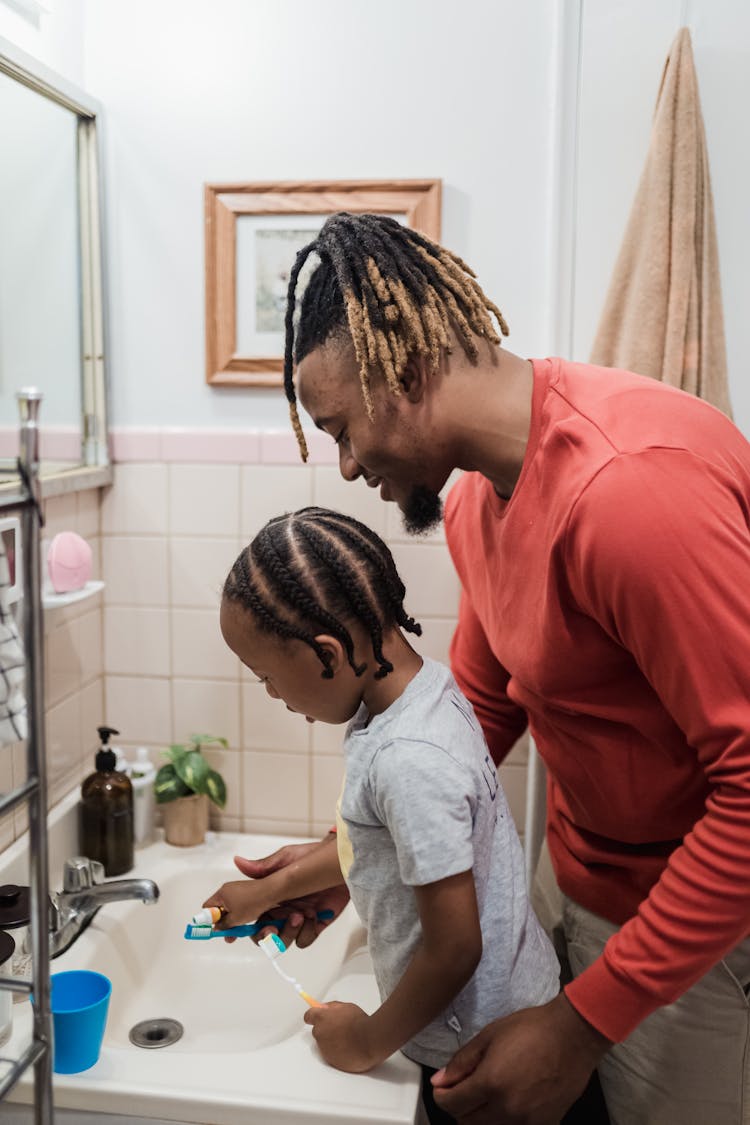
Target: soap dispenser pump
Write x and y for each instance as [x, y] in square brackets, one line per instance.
[105, 818]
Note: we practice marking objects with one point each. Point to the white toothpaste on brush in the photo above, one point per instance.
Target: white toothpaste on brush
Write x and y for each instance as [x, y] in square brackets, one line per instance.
[208, 916]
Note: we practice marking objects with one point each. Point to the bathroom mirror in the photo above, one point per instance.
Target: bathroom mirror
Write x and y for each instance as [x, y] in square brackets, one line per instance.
[52, 301]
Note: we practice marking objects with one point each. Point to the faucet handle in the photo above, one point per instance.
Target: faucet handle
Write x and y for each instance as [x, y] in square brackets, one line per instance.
[80, 872]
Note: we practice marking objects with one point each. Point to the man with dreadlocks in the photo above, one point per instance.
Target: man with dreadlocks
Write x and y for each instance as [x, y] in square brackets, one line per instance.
[600, 533]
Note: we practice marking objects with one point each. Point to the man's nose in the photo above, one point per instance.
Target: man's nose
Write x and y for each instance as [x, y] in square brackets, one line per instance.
[349, 467]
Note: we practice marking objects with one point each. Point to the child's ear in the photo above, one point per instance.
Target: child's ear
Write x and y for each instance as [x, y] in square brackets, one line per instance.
[334, 647]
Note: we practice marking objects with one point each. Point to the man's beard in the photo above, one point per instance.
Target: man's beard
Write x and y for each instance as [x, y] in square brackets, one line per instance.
[422, 511]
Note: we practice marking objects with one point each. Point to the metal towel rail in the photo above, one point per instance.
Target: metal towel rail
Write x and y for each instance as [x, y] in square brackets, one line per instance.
[26, 500]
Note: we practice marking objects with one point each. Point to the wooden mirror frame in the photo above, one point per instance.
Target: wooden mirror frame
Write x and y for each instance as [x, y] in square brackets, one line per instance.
[419, 200]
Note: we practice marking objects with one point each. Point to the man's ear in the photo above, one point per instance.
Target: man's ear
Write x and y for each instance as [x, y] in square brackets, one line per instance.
[414, 377]
[334, 647]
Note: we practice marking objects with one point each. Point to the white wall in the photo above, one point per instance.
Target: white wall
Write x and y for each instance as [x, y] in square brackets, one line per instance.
[251, 90]
[53, 36]
[625, 45]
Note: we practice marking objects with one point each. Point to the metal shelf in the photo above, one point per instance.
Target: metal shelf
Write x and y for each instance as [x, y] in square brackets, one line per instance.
[26, 501]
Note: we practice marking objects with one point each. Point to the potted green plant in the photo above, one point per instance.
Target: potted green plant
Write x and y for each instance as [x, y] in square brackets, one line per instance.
[183, 788]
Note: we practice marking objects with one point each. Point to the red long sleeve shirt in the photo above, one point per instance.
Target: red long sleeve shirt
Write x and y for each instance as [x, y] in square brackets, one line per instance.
[608, 601]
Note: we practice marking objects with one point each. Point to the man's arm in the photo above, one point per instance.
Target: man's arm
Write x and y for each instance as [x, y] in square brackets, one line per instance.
[484, 682]
[245, 900]
[659, 553]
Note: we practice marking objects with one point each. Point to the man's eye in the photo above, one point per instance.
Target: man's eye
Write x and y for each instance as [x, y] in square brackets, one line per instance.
[342, 438]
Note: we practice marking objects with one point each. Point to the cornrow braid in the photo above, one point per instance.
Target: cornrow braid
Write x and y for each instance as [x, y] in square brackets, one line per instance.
[316, 570]
[358, 599]
[397, 294]
[364, 539]
[290, 592]
[245, 590]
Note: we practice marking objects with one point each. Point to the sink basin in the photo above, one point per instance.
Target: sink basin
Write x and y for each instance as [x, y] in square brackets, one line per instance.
[245, 1055]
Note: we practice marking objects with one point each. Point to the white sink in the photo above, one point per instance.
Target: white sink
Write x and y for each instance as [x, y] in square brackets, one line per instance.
[246, 1056]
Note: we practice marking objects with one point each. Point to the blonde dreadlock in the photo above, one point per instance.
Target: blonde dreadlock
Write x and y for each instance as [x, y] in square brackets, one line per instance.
[396, 292]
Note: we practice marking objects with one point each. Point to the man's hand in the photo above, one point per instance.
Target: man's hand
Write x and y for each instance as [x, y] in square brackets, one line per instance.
[341, 1032]
[302, 924]
[525, 1069]
[240, 901]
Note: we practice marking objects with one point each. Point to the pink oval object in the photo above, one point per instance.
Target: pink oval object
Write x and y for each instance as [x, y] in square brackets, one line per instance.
[69, 562]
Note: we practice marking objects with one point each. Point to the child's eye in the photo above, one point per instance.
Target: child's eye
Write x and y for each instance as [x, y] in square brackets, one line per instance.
[261, 679]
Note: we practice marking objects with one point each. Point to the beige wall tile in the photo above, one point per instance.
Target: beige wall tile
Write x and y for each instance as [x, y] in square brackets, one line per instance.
[327, 775]
[162, 598]
[206, 707]
[89, 505]
[519, 755]
[327, 738]
[204, 500]
[431, 583]
[271, 490]
[63, 668]
[60, 514]
[276, 785]
[513, 781]
[198, 648]
[198, 569]
[92, 716]
[137, 502]
[136, 570]
[140, 707]
[136, 641]
[63, 737]
[90, 646]
[282, 828]
[267, 725]
[353, 498]
[218, 822]
[436, 635]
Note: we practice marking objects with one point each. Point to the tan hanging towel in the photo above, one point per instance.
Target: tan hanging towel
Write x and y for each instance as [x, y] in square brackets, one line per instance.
[663, 314]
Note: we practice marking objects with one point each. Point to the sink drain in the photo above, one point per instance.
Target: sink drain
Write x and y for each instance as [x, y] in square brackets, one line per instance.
[156, 1033]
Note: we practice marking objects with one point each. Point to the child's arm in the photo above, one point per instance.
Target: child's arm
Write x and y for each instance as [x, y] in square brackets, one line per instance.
[244, 900]
[443, 963]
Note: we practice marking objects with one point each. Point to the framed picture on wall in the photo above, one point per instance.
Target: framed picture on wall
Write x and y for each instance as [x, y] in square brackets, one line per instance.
[253, 233]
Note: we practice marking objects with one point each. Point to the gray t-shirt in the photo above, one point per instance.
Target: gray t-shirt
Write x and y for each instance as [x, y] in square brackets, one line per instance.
[421, 801]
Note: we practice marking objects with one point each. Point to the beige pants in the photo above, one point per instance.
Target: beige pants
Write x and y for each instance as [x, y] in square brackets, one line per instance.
[689, 1062]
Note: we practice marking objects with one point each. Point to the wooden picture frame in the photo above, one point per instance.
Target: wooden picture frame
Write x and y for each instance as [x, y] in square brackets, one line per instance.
[232, 362]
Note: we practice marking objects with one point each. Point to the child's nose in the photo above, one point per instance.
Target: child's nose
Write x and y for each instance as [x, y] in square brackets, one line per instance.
[272, 691]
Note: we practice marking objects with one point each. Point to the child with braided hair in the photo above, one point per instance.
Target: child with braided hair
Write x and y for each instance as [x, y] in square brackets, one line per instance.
[425, 840]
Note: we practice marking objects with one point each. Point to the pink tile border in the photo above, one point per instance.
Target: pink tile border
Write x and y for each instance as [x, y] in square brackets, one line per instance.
[217, 447]
[56, 443]
[135, 445]
[280, 448]
[204, 446]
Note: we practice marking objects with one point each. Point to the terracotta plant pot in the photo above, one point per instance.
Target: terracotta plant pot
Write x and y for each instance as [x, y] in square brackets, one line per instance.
[186, 820]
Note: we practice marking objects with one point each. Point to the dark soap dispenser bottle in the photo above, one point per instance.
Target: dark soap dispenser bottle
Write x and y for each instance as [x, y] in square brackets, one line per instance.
[106, 812]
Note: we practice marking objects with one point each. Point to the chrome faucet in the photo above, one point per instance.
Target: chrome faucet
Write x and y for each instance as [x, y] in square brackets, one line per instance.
[84, 891]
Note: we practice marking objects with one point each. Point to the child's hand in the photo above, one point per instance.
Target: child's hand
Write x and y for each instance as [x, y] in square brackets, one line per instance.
[242, 900]
[341, 1032]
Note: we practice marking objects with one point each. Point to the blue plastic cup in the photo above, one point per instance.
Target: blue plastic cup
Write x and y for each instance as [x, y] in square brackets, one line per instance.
[80, 1001]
